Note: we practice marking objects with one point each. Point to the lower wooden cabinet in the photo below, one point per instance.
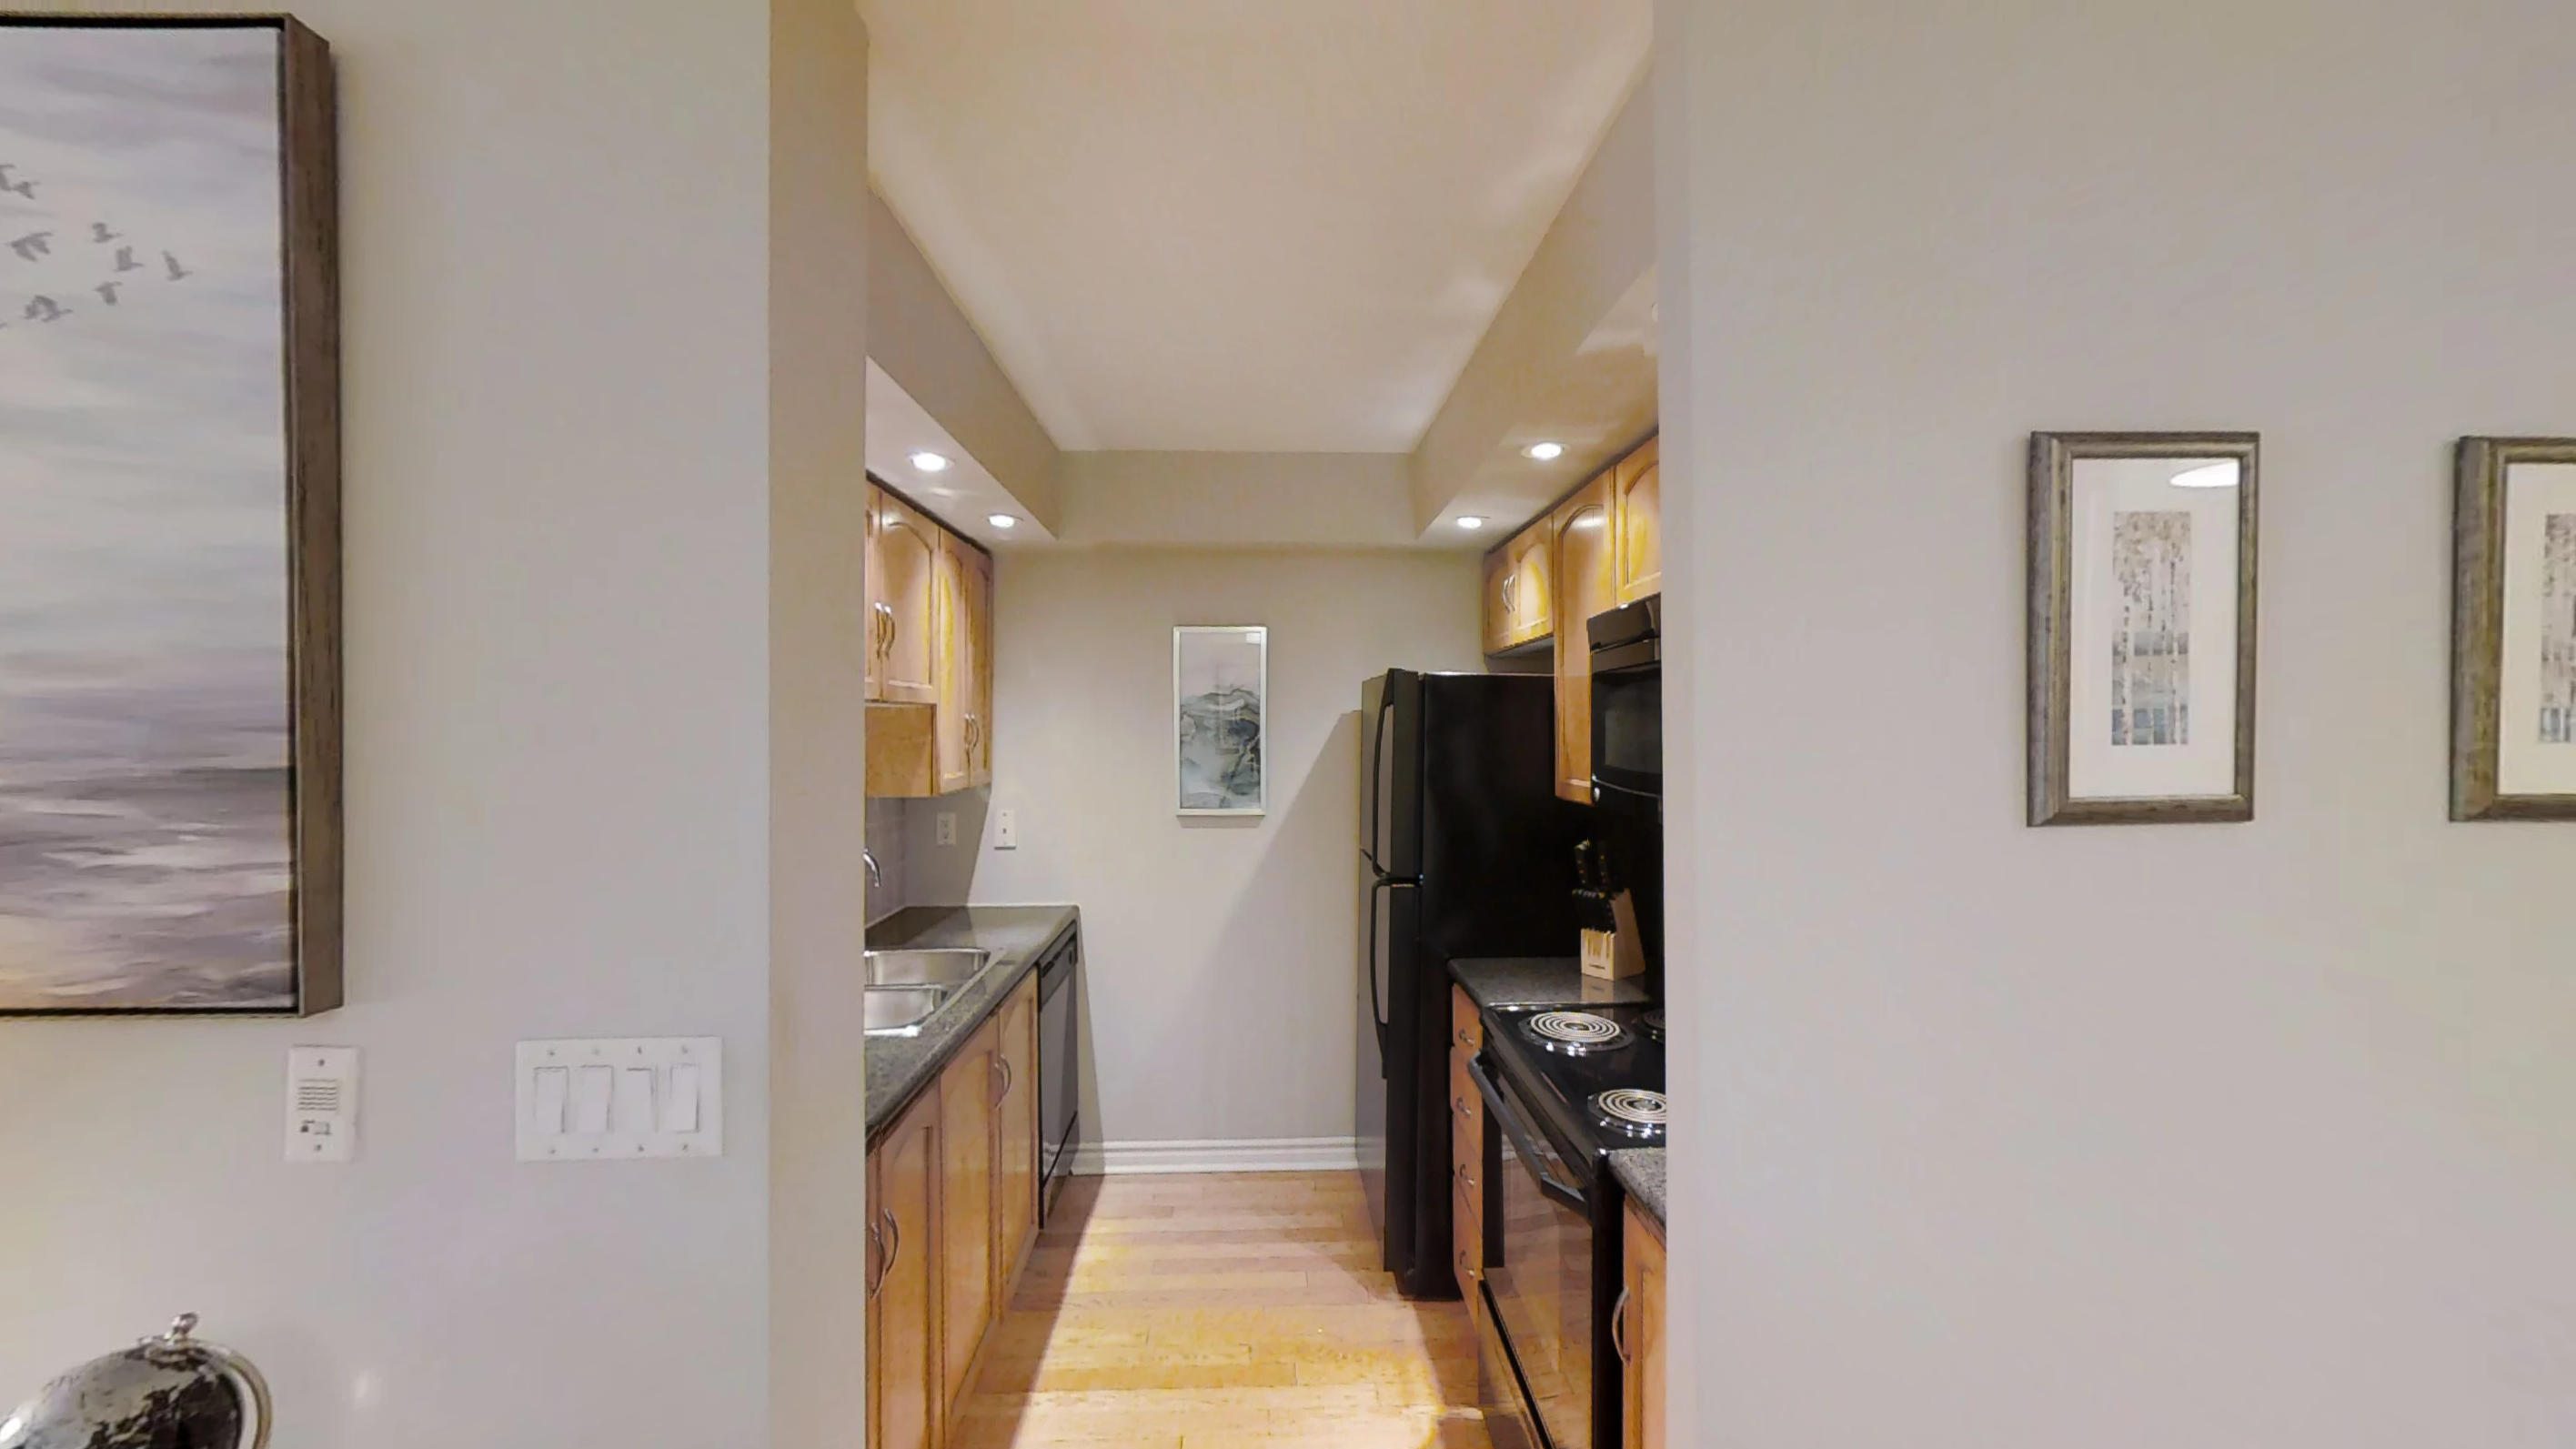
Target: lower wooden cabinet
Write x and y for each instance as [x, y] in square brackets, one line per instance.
[1015, 1141]
[1640, 1331]
[969, 1090]
[952, 1216]
[904, 1407]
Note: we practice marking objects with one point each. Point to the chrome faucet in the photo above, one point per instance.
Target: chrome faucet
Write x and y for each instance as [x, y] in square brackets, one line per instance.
[876, 877]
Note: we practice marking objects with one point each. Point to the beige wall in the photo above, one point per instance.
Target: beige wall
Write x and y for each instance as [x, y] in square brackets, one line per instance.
[1221, 953]
[2150, 1136]
[559, 691]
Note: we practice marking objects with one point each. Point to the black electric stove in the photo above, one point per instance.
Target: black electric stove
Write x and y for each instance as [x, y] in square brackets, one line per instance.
[1564, 1087]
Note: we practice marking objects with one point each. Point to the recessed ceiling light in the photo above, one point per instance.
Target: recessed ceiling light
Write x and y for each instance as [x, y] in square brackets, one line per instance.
[1471, 522]
[2215, 475]
[926, 461]
[1002, 521]
[1545, 452]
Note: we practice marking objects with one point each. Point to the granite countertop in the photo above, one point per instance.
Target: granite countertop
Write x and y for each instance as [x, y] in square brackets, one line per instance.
[1538, 981]
[1641, 1171]
[900, 1066]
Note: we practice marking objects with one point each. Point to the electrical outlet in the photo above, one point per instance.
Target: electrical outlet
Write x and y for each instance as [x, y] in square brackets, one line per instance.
[1006, 830]
[948, 827]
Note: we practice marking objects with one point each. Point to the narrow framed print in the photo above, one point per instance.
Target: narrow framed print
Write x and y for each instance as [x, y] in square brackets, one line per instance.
[170, 817]
[2142, 569]
[1220, 690]
[2513, 630]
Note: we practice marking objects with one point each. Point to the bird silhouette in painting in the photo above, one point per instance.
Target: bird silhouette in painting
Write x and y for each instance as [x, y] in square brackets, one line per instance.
[46, 309]
[107, 292]
[178, 273]
[125, 261]
[26, 189]
[101, 235]
[33, 245]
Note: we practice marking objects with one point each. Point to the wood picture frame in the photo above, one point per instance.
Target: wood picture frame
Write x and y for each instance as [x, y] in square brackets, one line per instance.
[2082, 779]
[2507, 639]
[217, 247]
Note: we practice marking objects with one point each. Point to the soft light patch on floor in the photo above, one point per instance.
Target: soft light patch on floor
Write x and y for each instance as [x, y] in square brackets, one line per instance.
[1218, 1311]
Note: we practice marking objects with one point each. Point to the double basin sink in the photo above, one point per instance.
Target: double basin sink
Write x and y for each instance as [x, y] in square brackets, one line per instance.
[905, 988]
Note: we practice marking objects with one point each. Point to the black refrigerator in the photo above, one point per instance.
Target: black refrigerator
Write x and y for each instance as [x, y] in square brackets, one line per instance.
[1465, 851]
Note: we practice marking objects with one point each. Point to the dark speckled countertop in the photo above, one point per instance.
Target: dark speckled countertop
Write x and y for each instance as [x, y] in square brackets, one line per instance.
[1641, 1171]
[1538, 981]
[900, 1066]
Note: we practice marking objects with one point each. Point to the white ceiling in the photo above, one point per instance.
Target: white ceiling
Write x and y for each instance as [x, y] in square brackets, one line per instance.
[1238, 225]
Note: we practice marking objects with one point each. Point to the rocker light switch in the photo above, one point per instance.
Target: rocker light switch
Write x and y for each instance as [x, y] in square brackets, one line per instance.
[627, 1097]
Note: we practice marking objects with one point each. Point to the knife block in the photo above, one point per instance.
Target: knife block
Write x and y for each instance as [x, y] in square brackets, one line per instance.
[1615, 955]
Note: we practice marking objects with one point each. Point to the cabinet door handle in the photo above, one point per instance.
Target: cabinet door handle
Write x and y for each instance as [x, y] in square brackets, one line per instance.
[1619, 1325]
[1002, 1070]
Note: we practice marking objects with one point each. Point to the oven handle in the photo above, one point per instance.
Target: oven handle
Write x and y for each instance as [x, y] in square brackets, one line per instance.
[1531, 1154]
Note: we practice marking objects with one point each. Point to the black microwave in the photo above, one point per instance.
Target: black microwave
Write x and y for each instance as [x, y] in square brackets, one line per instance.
[1628, 707]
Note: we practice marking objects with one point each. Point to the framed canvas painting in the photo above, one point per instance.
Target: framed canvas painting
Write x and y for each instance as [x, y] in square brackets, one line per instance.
[1220, 688]
[2513, 630]
[169, 518]
[2142, 553]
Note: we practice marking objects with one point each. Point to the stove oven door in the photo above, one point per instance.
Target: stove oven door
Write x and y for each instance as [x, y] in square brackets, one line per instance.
[1540, 1279]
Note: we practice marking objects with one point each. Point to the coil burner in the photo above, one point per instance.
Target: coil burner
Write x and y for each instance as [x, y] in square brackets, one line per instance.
[1574, 1033]
[1632, 1113]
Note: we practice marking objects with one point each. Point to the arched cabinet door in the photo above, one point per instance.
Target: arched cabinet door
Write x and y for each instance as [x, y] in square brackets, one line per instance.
[1587, 583]
[1640, 507]
[906, 555]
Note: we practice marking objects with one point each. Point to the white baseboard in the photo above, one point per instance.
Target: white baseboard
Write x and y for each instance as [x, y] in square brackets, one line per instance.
[1260, 1154]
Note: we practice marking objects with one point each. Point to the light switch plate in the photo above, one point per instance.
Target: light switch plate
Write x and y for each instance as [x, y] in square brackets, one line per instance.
[1006, 830]
[948, 827]
[321, 1104]
[620, 1098]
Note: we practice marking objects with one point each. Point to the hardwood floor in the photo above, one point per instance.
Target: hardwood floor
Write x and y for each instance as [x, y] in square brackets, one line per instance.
[1219, 1311]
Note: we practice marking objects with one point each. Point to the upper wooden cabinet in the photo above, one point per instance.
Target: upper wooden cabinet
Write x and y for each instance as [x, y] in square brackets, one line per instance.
[1637, 487]
[965, 672]
[1587, 583]
[1519, 589]
[903, 558]
[904, 1409]
[930, 665]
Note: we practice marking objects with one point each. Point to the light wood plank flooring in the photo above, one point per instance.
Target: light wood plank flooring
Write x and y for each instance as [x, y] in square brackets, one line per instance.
[1209, 1312]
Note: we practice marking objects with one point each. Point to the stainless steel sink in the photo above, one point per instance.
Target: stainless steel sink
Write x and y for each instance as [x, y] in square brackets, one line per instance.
[952, 966]
[900, 1010]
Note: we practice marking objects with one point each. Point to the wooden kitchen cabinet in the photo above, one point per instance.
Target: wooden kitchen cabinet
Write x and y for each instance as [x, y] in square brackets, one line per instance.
[1519, 589]
[1466, 1144]
[1637, 488]
[969, 1091]
[1015, 1140]
[903, 555]
[965, 672]
[1640, 1333]
[905, 1410]
[1587, 583]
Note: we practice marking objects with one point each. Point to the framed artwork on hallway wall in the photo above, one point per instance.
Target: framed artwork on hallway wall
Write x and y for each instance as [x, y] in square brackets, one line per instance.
[2141, 676]
[169, 518]
[2513, 630]
[1220, 690]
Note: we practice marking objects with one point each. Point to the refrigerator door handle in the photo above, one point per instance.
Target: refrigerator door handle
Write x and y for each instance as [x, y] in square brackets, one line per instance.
[1377, 996]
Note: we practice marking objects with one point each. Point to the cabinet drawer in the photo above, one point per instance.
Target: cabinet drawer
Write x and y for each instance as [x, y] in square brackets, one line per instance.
[1466, 1114]
[1466, 1023]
